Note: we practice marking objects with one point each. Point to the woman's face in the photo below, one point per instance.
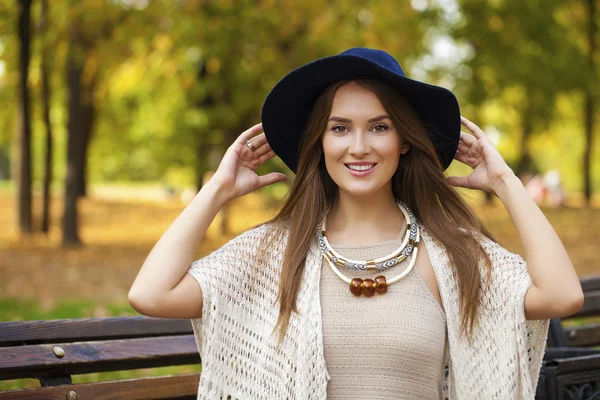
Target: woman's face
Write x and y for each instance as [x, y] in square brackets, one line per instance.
[361, 145]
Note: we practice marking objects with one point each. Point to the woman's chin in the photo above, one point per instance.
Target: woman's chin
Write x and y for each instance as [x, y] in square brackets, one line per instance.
[358, 191]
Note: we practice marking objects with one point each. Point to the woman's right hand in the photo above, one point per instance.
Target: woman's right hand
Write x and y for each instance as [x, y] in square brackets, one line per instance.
[236, 175]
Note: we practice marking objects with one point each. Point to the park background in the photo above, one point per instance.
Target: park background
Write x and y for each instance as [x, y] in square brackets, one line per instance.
[113, 113]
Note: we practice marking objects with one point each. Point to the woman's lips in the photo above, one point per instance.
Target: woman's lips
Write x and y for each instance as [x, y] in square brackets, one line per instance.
[360, 173]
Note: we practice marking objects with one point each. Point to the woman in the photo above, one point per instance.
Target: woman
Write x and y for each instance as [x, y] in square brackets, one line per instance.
[375, 276]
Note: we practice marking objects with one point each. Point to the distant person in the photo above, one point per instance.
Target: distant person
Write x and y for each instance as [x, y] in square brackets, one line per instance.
[376, 275]
[536, 188]
[555, 194]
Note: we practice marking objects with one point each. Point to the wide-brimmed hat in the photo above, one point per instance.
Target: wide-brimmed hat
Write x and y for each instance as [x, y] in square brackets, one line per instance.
[286, 108]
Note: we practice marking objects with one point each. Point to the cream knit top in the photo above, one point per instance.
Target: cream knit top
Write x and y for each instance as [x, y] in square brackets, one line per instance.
[387, 346]
[240, 282]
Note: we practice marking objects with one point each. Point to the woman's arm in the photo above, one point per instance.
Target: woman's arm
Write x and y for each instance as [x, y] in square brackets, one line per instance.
[556, 291]
[162, 288]
[152, 290]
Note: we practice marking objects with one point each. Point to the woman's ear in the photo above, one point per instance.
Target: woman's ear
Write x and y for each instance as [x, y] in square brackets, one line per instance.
[404, 148]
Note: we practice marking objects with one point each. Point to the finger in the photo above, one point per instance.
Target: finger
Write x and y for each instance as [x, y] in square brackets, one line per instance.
[475, 151]
[467, 138]
[477, 148]
[257, 162]
[267, 156]
[472, 127]
[472, 161]
[468, 159]
[459, 181]
[271, 178]
[258, 141]
[262, 150]
[462, 157]
[463, 147]
[249, 133]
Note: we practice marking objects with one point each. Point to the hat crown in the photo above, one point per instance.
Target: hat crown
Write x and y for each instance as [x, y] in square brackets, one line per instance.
[380, 57]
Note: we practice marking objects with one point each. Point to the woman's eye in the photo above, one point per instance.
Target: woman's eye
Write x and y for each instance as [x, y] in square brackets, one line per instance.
[339, 129]
[380, 128]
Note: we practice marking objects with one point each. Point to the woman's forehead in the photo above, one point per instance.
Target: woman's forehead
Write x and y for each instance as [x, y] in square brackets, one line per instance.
[353, 101]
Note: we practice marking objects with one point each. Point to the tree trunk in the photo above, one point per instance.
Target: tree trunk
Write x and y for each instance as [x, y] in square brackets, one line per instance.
[87, 119]
[524, 163]
[203, 147]
[24, 137]
[589, 106]
[46, 117]
[74, 142]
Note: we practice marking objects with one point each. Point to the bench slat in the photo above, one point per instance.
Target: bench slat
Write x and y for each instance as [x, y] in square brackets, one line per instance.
[154, 388]
[78, 330]
[583, 336]
[110, 355]
[591, 305]
[590, 284]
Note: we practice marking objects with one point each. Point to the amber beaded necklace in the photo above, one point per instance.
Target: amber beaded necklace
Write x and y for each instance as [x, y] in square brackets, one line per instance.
[368, 287]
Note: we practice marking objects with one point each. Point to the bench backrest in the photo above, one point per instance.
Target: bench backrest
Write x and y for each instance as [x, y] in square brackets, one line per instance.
[53, 350]
[580, 336]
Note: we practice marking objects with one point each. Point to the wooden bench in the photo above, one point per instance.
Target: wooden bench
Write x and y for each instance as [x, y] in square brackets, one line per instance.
[52, 351]
[586, 335]
[571, 367]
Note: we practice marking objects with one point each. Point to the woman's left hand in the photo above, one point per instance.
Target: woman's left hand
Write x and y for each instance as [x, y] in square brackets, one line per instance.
[479, 153]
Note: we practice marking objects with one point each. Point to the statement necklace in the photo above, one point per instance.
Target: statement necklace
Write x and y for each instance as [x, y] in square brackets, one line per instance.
[368, 287]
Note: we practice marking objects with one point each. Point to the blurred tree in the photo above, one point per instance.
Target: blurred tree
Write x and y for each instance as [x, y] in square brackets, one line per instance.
[528, 54]
[45, 82]
[512, 40]
[89, 23]
[99, 39]
[157, 90]
[76, 141]
[590, 91]
[24, 137]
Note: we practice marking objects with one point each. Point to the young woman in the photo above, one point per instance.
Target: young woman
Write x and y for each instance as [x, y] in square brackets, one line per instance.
[375, 280]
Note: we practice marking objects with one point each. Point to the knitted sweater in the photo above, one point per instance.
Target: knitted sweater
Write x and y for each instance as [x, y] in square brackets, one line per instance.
[240, 282]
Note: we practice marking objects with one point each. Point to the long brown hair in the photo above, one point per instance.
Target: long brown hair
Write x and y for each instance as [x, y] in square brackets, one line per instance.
[419, 181]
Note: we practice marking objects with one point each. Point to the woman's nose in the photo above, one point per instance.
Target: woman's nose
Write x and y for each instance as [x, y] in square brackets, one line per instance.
[359, 144]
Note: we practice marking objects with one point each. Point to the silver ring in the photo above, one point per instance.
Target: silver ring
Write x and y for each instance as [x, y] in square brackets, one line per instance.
[250, 145]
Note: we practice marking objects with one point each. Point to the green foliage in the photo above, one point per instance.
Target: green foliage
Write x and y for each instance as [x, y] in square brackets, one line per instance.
[527, 71]
[175, 82]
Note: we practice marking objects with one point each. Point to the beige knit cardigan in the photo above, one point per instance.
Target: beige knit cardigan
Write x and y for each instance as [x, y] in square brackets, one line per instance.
[240, 359]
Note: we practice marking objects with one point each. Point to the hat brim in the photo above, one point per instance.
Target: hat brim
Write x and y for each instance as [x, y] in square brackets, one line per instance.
[286, 108]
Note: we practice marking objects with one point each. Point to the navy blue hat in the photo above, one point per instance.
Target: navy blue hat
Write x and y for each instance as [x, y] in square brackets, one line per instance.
[286, 108]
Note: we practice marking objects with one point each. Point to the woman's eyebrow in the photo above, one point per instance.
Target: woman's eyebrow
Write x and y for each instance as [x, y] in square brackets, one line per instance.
[378, 118]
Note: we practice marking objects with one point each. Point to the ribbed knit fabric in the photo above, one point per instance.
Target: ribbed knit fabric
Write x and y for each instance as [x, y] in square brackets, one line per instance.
[388, 346]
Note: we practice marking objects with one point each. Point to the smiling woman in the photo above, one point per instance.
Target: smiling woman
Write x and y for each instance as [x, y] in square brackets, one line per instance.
[365, 145]
[375, 280]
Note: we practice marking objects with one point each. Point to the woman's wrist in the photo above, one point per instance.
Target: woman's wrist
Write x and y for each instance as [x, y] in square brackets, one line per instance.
[219, 195]
[505, 184]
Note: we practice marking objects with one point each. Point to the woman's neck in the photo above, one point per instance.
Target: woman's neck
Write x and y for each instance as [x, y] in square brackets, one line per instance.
[356, 220]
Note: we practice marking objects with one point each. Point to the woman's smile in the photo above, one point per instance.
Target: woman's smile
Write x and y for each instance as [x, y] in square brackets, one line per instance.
[360, 169]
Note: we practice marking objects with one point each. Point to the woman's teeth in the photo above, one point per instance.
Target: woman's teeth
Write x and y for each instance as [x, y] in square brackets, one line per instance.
[360, 167]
